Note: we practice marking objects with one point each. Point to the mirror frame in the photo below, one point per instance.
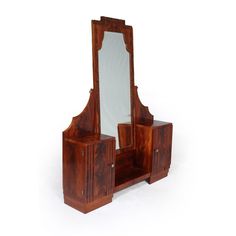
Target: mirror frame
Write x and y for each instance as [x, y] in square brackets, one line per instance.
[98, 29]
[87, 123]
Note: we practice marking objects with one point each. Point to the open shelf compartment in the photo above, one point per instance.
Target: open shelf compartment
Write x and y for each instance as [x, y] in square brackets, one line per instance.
[129, 177]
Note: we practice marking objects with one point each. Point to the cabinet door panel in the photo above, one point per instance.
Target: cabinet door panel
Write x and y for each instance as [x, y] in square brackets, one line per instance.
[166, 153]
[111, 148]
[159, 161]
[103, 182]
[100, 171]
[166, 144]
[162, 139]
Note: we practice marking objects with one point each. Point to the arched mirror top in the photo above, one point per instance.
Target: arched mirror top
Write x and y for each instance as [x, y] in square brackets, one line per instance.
[111, 25]
[113, 77]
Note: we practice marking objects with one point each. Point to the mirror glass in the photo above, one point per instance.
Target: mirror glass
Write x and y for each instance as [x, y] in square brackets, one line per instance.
[114, 86]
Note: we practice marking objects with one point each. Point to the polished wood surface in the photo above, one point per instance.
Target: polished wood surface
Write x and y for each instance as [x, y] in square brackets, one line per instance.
[125, 135]
[88, 171]
[92, 168]
[86, 122]
[154, 145]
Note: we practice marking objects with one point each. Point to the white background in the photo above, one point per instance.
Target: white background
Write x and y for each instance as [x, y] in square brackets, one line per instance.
[185, 67]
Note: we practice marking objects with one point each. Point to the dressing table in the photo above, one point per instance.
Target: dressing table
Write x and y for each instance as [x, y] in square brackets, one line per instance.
[115, 142]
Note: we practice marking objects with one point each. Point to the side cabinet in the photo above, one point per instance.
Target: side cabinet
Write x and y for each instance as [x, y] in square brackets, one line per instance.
[88, 171]
[154, 144]
[161, 151]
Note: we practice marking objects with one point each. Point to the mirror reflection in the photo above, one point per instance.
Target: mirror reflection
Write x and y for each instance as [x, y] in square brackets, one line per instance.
[114, 86]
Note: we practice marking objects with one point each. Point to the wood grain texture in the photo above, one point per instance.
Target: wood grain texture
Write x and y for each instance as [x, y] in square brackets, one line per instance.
[86, 122]
[92, 169]
[85, 208]
[141, 114]
[153, 152]
[125, 135]
[143, 146]
[88, 171]
[153, 141]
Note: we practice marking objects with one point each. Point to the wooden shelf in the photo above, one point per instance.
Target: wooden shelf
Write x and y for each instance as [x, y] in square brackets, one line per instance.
[129, 177]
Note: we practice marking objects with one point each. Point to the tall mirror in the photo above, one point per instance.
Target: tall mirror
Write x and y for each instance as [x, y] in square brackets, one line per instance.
[114, 89]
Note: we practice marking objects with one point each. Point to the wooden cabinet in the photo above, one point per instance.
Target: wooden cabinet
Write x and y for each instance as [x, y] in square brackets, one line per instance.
[154, 148]
[93, 169]
[88, 171]
[161, 150]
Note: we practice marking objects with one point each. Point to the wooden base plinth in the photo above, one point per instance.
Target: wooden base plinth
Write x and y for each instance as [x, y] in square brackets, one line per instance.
[154, 178]
[87, 207]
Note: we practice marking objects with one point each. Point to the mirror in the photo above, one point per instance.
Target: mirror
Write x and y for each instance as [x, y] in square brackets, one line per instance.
[114, 86]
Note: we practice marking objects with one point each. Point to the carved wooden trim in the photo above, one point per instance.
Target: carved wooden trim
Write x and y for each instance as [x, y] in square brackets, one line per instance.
[142, 114]
[111, 25]
[88, 122]
[85, 123]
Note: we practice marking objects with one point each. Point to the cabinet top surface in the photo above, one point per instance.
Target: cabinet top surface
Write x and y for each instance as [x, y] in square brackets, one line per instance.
[95, 138]
[157, 123]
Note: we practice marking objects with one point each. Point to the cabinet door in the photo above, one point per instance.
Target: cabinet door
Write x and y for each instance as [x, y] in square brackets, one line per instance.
[101, 174]
[160, 160]
[162, 139]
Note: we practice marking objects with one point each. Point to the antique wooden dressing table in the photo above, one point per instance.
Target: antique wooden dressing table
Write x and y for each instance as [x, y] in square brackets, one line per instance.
[114, 143]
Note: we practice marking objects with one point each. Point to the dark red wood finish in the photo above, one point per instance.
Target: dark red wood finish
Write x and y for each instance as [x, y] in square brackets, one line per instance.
[125, 135]
[154, 149]
[92, 169]
[88, 171]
